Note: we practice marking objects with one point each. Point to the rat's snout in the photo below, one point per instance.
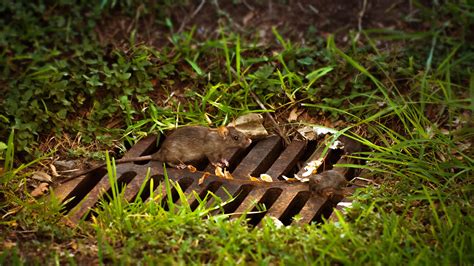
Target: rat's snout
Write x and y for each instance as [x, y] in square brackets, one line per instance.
[247, 143]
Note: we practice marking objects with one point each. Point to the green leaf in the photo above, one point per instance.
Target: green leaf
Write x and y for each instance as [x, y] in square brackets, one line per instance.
[195, 67]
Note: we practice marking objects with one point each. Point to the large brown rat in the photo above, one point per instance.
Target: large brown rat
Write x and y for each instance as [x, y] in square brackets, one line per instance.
[190, 144]
[328, 184]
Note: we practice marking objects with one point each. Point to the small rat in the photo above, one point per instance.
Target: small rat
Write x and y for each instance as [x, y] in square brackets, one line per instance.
[190, 144]
[328, 184]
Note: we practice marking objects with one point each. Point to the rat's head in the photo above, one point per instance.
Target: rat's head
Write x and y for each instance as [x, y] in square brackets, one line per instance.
[233, 137]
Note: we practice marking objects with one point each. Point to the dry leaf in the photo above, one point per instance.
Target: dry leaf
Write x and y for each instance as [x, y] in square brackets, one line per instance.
[192, 169]
[247, 18]
[301, 179]
[54, 172]
[289, 179]
[73, 245]
[227, 174]
[293, 116]
[40, 190]
[276, 221]
[254, 179]
[311, 132]
[7, 244]
[218, 172]
[208, 120]
[312, 167]
[251, 125]
[12, 211]
[266, 178]
[41, 176]
[69, 223]
[203, 177]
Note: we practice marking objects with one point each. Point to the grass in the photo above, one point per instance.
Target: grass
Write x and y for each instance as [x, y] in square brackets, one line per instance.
[410, 104]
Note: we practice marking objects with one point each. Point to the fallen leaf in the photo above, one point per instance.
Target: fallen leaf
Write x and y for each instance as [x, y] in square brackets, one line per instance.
[345, 204]
[40, 190]
[69, 223]
[227, 174]
[218, 172]
[247, 18]
[254, 179]
[266, 178]
[203, 177]
[73, 245]
[251, 125]
[301, 179]
[7, 244]
[311, 167]
[192, 169]
[311, 132]
[276, 222]
[289, 179]
[12, 211]
[41, 176]
[54, 172]
[294, 114]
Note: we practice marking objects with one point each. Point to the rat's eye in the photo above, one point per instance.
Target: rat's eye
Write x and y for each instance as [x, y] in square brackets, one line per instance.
[236, 137]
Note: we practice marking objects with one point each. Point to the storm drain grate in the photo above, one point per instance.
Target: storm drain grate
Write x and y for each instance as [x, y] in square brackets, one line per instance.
[281, 199]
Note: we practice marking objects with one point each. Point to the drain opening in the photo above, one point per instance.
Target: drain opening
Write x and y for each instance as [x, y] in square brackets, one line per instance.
[265, 203]
[294, 207]
[122, 181]
[204, 195]
[157, 179]
[82, 189]
[326, 210]
[239, 197]
[183, 183]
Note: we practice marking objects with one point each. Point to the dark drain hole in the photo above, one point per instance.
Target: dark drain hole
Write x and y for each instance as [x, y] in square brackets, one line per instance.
[212, 187]
[157, 179]
[309, 150]
[124, 179]
[294, 207]
[239, 197]
[265, 203]
[268, 161]
[183, 183]
[326, 210]
[151, 149]
[238, 156]
[82, 189]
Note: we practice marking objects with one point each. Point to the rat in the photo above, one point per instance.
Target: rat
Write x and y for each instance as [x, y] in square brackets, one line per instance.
[190, 144]
[328, 184]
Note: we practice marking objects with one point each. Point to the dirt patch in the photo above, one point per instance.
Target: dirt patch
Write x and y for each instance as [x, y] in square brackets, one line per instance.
[297, 20]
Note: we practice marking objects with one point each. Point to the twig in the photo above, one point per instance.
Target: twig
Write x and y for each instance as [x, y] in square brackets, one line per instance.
[186, 20]
[360, 16]
[248, 6]
[279, 131]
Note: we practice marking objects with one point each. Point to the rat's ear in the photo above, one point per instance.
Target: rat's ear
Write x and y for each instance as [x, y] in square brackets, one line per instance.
[223, 131]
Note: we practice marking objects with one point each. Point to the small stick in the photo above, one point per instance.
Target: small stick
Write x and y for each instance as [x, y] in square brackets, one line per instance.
[360, 16]
[279, 131]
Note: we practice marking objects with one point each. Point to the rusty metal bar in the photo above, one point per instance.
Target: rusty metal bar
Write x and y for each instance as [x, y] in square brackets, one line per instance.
[287, 160]
[259, 158]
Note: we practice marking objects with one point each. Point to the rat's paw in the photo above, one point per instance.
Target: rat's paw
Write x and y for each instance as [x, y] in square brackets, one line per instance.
[218, 164]
[181, 166]
[225, 162]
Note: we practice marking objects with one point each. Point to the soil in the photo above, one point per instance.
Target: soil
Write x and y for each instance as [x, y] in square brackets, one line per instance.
[297, 20]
